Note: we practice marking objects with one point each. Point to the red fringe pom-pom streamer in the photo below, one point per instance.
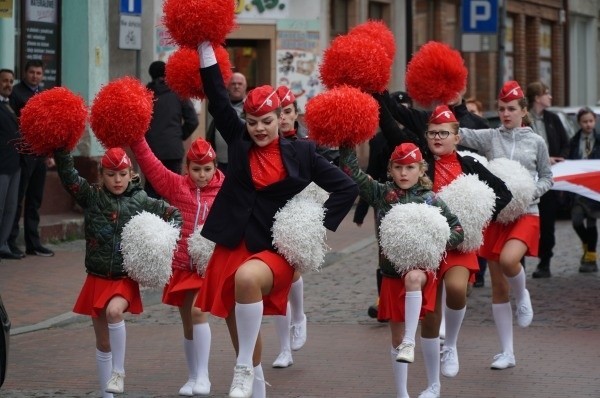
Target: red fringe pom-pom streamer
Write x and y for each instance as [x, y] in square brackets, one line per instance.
[183, 71]
[342, 116]
[436, 74]
[358, 61]
[378, 32]
[53, 119]
[190, 22]
[121, 112]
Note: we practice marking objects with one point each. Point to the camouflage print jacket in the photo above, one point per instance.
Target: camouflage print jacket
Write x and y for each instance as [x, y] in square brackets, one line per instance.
[105, 214]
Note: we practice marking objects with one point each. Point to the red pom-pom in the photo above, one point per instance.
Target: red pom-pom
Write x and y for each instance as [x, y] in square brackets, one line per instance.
[379, 32]
[53, 119]
[190, 22]
[436, 74]
[342, 116]
[121, 112]
[357, 61]
[183, 71]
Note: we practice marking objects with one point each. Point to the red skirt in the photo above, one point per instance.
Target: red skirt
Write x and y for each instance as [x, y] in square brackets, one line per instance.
[525, 228]
[218, 294]
[393, 293]
[456, 258]
[181, 282]
[97, 292]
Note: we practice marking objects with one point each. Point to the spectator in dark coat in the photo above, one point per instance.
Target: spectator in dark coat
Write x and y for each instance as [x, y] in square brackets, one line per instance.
[173, 121]
[10, 169]
[33, 171]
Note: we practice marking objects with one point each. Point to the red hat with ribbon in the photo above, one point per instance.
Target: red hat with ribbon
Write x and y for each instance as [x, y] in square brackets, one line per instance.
[201, 152]
[115, 159]
[285, 96]
[510, 91]
[261, 100]
[406, 153]
[442, 114]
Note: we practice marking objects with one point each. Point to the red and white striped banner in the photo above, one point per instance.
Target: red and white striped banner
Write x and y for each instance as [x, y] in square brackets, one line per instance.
[579, 176]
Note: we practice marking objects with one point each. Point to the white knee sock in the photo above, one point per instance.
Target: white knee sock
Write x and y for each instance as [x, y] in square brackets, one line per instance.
[248, 318]
[400, 375]
[296, 300]
[259, 388]
[118, 338]
[454, 320]
[443, 320]
[202, 341]
[504, 325]
[431, 357]
[517, 285]
[412, 310]
[104, 365]
[282, 326]
[190, 358]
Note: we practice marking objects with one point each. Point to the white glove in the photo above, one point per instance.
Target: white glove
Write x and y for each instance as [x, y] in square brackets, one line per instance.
[206, 54]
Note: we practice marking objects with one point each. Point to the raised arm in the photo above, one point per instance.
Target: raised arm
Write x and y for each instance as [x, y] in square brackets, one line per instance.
[163, 180]
[76, 186]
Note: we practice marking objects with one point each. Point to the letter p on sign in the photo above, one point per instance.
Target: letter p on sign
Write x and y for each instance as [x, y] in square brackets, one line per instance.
[480, 16]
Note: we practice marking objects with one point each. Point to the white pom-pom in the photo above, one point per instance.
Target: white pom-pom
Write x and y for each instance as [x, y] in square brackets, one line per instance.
[519, 182]
[473, 202]
[200, 249]
[148, 243]
[299, 233]
[414, 235]
[475, 155]
[314, 192]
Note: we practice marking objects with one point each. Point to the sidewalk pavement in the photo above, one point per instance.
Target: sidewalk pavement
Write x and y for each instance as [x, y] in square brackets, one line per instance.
[346, 355]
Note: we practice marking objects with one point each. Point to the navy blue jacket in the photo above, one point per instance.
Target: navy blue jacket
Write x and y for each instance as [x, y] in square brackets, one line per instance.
[242, 212]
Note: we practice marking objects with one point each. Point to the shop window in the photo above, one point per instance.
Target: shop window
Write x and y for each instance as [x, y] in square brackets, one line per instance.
[546, 54]
[380, 10]
[339, 11]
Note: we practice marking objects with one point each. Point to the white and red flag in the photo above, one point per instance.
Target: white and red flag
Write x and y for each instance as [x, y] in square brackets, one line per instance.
[578, 176]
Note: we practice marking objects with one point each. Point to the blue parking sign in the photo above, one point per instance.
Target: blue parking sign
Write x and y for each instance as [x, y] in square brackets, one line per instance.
[131, 7]
[480, 16]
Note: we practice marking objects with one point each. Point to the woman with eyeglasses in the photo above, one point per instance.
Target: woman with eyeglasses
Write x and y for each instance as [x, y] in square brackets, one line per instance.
[505, 244]
[438, 144]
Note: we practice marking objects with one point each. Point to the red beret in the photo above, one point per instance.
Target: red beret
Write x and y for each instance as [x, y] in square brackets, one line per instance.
[285, 96]
[442, 114]
[406, 153]
[510, 91]
[201, 152]
[261, 100]
[115, 159]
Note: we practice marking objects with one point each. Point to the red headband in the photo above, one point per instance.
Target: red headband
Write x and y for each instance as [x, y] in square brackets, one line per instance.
[442, 114]
[510, 91]
[201, 152]
[406, 153]
[285, 96]
[115, 159]
[261, 100]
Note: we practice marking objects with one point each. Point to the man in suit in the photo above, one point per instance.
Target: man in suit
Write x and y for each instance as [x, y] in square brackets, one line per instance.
[10, 169]
[33, 171]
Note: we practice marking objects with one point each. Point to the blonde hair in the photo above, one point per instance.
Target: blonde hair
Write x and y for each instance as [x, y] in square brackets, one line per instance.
[424, 180]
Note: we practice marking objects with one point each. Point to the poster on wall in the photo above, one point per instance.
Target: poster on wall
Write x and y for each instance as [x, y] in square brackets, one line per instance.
[6, 8]
[40, 37]
[261, 9]
[297, 58]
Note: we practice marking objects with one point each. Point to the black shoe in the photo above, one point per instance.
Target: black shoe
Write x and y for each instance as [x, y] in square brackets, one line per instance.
[15, 250]
[40, 251]
[10, 256]
[588, 267]
[541, 273]
[479, 281]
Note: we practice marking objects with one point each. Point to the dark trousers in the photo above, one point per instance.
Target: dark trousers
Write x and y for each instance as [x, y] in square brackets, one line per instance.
[31, 193]
[548, 208]
[172, 164]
